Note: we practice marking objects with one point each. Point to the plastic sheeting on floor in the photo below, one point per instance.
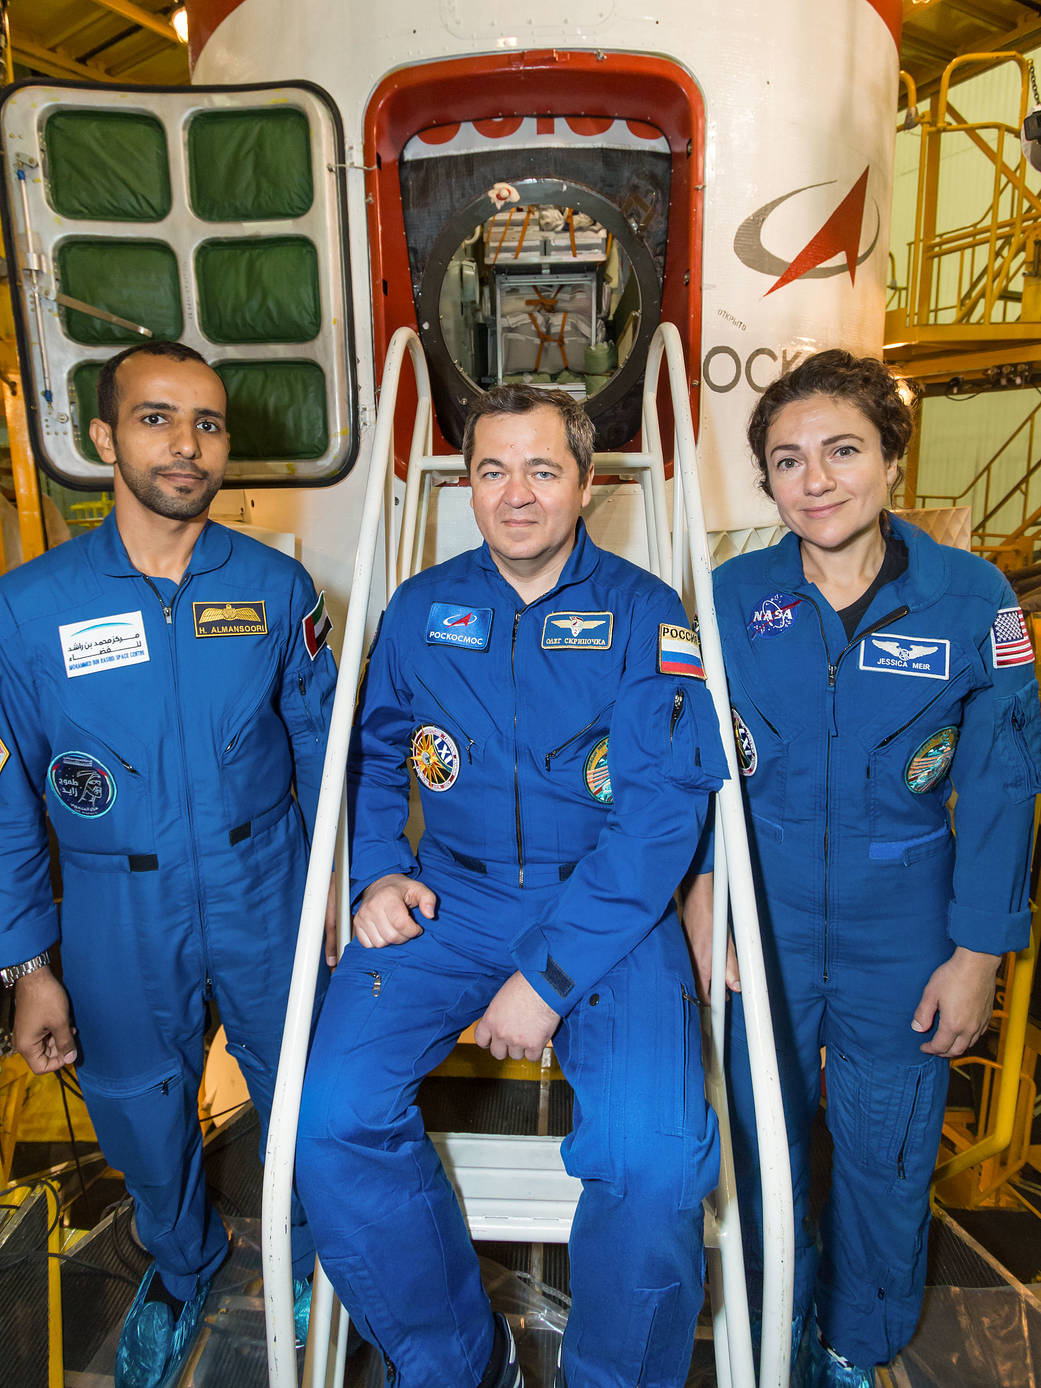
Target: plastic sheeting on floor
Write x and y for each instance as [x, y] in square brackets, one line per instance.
[974, 1337]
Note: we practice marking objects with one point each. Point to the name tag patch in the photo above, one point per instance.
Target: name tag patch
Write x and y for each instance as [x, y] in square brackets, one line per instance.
[83, 784]
[679, 651]
[452, 624]
[230, 618]
[773, 615]
[578, 631]
[895, 654]
[103, 643]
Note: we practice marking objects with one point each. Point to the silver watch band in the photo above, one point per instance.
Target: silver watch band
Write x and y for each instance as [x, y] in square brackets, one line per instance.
[10, 976]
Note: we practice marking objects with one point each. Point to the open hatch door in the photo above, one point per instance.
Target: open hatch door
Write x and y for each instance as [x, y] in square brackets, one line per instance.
[215, 216]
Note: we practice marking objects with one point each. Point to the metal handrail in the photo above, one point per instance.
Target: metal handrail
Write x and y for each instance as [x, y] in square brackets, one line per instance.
[733, 871]
[734, 1342]
[285, 1109]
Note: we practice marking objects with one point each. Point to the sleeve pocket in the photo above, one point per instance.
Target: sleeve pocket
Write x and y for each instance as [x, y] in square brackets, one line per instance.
[1018, 735]
[695, 757]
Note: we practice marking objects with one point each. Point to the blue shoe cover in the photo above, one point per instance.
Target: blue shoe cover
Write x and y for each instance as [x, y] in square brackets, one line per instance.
[301, 1308]
[152, 1348]
[830, 1370]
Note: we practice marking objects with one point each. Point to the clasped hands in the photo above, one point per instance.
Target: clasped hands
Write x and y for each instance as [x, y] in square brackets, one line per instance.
[517, 1022]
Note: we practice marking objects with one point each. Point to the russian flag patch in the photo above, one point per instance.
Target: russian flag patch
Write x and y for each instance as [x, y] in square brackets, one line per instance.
[679, 652]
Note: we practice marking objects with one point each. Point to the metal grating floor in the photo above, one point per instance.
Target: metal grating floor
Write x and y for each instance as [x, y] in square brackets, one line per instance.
[975, 1319]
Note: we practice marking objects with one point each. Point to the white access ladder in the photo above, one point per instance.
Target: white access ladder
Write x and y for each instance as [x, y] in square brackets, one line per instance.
[515, 1188]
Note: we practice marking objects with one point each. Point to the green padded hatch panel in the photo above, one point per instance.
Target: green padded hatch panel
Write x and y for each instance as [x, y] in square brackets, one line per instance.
[245, 166]
[259, 290]
[84, 391]
[107, 166]
[138, 280]
[276, 409]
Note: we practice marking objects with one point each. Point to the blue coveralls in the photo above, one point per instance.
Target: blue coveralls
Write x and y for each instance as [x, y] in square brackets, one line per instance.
[849, 750]
[551, 855]
[164, 732]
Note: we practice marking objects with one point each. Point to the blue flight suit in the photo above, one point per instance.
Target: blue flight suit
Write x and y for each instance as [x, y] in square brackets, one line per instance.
[848, 751]
[565, 751]
[163, 729]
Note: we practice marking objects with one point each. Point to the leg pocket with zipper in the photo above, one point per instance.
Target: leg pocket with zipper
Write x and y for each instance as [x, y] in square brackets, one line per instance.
[144, 1123]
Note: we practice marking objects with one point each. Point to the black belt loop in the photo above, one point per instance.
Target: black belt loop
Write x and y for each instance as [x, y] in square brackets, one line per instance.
[243, 831]
[143, 862]
[464, 860]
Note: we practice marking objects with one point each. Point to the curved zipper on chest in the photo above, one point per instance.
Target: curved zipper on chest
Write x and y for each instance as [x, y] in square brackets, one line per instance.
[947, 687]
[452, 717]
[575, 736]
[107, 746]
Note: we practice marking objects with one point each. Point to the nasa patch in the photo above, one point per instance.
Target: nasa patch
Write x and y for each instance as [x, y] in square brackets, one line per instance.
[929, 762]
[773, 615]
[925, 657]
[582, 631]
[434, 757]
[83, 784]
[747, 756]
[597, 774]
[455, 624]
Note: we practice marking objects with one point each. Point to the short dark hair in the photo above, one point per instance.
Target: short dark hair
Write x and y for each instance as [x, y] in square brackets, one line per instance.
[521, 399]
[108, 395]
[863, 381]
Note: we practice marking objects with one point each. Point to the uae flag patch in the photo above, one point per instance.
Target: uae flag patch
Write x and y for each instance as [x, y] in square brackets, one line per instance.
[1009, 640]
[679, 652]
[317, 627]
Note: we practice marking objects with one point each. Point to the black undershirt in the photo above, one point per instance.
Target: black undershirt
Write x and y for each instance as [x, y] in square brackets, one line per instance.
[893, 565]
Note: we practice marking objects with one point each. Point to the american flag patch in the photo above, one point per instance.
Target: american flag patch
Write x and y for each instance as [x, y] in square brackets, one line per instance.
[1009, 642]
[679, 652]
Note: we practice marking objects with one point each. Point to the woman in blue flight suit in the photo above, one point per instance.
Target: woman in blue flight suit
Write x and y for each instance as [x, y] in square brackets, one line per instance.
[870, 670]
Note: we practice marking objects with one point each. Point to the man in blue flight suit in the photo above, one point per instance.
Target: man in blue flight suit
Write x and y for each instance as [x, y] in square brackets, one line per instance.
[549, 699]
[165, 686]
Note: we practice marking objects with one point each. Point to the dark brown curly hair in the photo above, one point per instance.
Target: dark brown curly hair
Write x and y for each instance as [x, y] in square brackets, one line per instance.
[863, 381]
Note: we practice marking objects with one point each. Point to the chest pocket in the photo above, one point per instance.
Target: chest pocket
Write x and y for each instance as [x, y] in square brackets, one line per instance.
[578, 760]
[762, 759]
[98, 791]
[451, 713]
[909, 750]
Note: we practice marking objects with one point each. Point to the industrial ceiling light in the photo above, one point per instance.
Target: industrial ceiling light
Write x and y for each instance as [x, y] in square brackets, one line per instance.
[179, 20]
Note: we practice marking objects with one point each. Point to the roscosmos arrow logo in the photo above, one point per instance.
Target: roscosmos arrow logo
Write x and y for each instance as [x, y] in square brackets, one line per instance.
[840, 235]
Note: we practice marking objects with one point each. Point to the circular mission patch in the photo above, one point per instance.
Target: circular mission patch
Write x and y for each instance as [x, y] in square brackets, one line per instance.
[434, 757]
[747, 756]
[83, 784]
[928, 764]
[597, 774]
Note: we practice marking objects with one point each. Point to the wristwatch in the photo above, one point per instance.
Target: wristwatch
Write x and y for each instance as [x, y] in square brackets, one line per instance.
[10, 976]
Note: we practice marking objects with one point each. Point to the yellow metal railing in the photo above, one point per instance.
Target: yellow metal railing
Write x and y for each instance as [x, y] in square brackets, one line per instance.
[970, 274]
[994, 1144]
